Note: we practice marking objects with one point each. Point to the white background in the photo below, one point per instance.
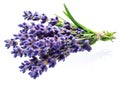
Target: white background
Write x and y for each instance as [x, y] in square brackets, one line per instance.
[101, 66]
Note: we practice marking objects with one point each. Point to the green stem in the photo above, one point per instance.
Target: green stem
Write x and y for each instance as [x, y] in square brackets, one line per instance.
[77, 24]
[89, 34]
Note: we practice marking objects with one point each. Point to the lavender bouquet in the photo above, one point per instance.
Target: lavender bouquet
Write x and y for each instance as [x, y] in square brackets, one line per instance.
[51, 40]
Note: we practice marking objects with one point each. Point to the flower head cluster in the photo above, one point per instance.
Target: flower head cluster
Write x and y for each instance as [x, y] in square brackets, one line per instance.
[45, 43]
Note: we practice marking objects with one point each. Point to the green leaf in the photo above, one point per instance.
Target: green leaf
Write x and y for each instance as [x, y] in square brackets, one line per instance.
[68, 14]
[108, 36]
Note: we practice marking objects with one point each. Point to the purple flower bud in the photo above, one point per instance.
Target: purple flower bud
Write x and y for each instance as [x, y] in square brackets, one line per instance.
[34, 53]
[49, 27]
[53, 21]
[43, 67]
[67, 25]
[7, 44]
[33, 74]
[61, 56]
[51, 62]
[27, 15]
[24, 66]
[36, 16]
[43, 18]
[17, 51]
[13, 42]
[86, 45]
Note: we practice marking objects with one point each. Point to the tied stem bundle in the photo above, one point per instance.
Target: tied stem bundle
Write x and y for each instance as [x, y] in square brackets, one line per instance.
[51, 41]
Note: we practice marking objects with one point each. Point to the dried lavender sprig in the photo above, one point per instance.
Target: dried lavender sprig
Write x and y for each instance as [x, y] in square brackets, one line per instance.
[28, 15]
[30, 46]
[47, 44]
[37, 66]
